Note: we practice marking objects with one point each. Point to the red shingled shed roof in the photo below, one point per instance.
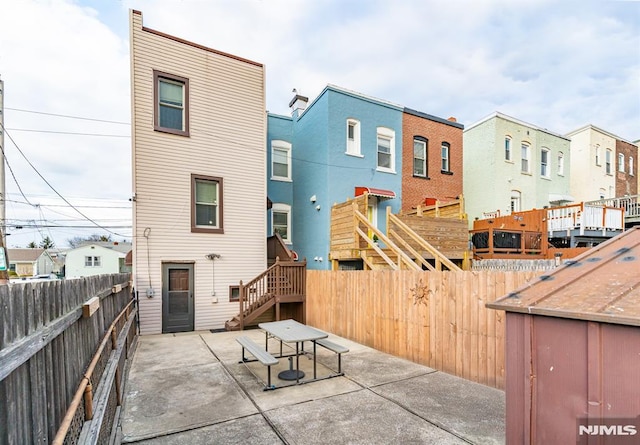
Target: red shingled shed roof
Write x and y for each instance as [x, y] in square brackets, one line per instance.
[603, 285]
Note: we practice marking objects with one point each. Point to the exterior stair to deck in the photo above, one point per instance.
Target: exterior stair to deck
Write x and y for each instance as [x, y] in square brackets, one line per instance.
[279, 292]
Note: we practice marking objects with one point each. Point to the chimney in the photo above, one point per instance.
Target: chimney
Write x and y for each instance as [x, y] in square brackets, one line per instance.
[452, 119]
[298, 104]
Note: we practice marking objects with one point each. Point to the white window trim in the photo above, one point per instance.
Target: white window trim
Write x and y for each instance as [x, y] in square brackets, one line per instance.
[607, 162]
[424, 158]
[448, 158]
[598, 160]
[510, 158]
[527, 158]
[631, 165]
[391, 135]
[548, 164]
[282, 208]
[283, 146]
[560, 164]
[353, 149]
[621, 162]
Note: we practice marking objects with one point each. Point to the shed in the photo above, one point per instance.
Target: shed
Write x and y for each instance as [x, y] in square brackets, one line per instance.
[573, 349]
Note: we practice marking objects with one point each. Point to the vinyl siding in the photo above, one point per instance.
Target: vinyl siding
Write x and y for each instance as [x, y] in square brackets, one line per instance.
[227, 124]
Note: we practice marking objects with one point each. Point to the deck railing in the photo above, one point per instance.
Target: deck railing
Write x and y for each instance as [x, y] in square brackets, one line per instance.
[629, 203]
[282, 279]
[584, 216]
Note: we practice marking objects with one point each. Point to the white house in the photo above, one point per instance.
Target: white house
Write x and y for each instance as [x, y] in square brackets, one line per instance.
[30, 262]
[199, 179]
[511, 165]
[92, 259]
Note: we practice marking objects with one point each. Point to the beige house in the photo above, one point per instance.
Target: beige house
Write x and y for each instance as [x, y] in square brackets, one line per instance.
[29, 262]
[199, 179]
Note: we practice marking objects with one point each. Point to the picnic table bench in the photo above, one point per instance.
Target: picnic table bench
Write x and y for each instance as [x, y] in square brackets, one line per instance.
[260, 355]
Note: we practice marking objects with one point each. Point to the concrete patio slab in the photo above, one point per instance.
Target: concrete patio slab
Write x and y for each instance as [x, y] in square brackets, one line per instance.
[470, 410]
[191, 388]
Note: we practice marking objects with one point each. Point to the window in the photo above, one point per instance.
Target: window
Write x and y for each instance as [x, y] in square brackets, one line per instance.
[544, 163]
[386, 149]
[621, 162]
[353, 137]
[420, 157]
[607, 162]
[171, 103]
[516, 197]
[281, 160]
[206, 204]
[507, 148]
[281, 221]
[92, 261]
[444, 150]
[561, 164]
[234, 293]
[631, 165]
[602, 193]
[525, 158]
[597, 154]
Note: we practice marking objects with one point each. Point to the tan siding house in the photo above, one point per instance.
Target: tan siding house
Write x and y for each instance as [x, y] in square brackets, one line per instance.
[199, 179]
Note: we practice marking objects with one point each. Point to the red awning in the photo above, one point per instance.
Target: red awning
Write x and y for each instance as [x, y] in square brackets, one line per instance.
[380, 193]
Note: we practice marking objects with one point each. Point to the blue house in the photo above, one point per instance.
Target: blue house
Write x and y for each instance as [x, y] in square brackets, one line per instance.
[341, 144]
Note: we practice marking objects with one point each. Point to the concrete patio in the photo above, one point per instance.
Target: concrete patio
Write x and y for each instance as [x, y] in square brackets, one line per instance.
[190, 389]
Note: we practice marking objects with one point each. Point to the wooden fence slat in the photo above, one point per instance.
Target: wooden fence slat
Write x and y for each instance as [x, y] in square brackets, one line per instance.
[450, 329]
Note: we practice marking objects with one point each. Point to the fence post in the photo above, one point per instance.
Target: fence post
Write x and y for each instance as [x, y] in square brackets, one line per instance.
[242, 298]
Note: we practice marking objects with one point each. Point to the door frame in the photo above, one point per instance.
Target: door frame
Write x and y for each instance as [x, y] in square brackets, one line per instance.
[190, 322]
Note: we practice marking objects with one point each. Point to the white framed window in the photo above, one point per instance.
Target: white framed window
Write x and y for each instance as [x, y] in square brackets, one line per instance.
[386, 150]
[206, 204]
[91, 261]
[353, 137]
[607, 161]
[561, 164]
[420, 157]
[631, 165]
[507, 148]
[280, 160]
[516, 201]
[621, 162]
[444, 153]
[281, 221]
[598, 154]
[171, 103]
[544, 163]
[524, 158]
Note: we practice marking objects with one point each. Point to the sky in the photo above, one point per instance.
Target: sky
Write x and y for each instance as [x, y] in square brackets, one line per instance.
[557, 64]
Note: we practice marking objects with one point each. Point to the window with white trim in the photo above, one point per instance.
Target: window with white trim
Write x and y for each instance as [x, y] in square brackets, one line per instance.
[353, 137]
[524, 158]
[597, 154]
[516, 198]
[444, 153]
[621, 162]
[386, 149]
[507, 148]
[607, 161]
[544, 163]
[280, 160]
[91, 261]
[281, 221]
[420, 157]
[631, 165]
[561, 163]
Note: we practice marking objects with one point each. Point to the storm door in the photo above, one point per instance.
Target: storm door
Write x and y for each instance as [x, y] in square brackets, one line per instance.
[177, 297]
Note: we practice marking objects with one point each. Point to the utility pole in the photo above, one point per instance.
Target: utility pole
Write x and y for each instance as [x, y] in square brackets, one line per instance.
[4, 258]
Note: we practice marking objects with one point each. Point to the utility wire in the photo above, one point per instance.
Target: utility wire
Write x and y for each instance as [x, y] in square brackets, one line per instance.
[67, 116]
[13, 175]
[70, 133]
[51, 186]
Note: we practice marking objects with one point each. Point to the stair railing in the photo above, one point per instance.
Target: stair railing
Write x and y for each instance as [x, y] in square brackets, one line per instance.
[283, 278]
[403, 258]
[440, 259]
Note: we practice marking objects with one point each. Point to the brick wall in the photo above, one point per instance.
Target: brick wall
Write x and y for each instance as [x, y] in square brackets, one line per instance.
[626, 184]
[439, 185]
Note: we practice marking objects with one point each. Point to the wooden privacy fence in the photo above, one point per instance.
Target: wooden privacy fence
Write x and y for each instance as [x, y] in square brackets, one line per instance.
[55, 338]
[437, 319]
